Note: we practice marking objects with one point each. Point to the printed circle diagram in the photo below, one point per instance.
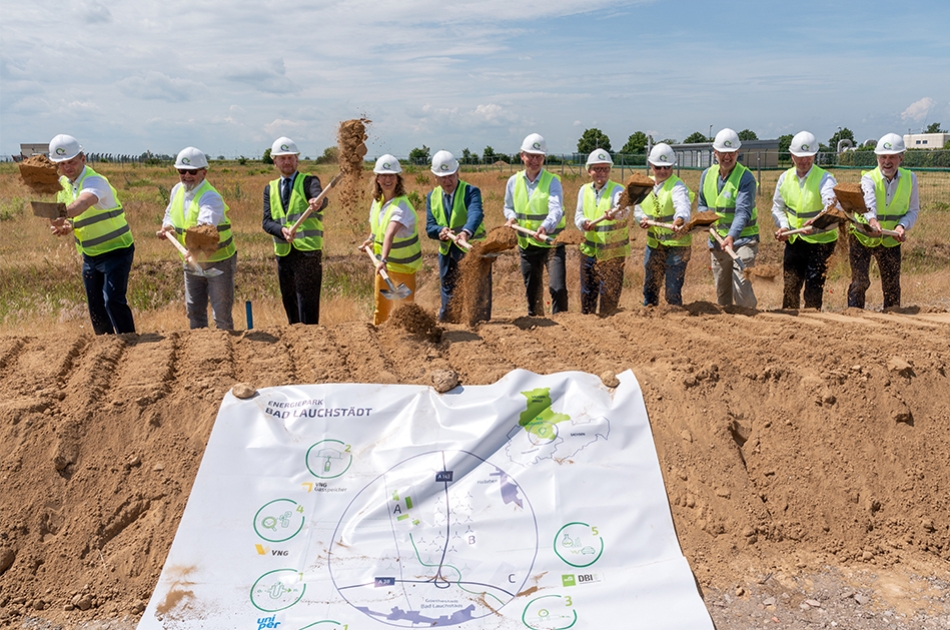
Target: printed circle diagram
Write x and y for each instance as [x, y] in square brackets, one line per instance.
[578, 544]
[440, 539]
[328, 459]
[277, 590]
[551, 612]
[279, 520]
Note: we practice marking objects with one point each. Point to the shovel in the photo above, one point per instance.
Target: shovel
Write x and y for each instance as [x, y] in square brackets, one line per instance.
[526, 231]
[190, 264]
[395, 293]
[732, 253]
[315, 202]
[468, 246]
[48, 210]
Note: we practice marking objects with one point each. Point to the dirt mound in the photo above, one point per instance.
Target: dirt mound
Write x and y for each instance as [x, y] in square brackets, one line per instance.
[202, 240]
[415, 320]
[351, 138]
[782, 455]
[39, 175]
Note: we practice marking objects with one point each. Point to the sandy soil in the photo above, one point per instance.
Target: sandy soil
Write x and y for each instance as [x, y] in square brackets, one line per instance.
[800, 449]
[40, 176]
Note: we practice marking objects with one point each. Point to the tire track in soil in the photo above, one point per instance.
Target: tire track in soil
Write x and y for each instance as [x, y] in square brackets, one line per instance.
[358, 343]
[508, 340]
[263, 359]
[474, 360]
[9, 349]
[316, 357]
[32, 370]
[146, 373]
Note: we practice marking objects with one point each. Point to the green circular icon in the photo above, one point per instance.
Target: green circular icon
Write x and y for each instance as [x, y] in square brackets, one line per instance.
[578, 544]
[279, 520]
[544, 614]
[328, 459]
[277, 590]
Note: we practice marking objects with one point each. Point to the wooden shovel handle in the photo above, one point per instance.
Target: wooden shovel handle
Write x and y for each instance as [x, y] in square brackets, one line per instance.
[523, 230]
[315, 203]
[732, 253]
[659, 224]
[382, 272]
[455, 239]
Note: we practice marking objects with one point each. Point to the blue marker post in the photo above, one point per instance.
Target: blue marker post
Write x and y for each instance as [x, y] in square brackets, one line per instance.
[249, 312]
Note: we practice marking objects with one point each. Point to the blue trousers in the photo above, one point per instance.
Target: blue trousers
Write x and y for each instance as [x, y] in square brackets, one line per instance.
[668, 262]
[106, 278]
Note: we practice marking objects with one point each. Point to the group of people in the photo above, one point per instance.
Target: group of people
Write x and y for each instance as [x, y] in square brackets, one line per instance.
[293, 207]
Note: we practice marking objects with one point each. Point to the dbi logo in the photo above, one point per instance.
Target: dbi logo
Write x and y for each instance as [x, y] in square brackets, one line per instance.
[267, 622]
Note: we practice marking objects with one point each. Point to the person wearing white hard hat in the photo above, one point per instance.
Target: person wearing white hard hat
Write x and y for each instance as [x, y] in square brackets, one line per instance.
[299, 252]
[893, 203]
[194, 202]
[728, 189]
[606, 242]
[534, 200]
[454, 210]
[668, 250]
[394, 236]
[102, 235]
[801, 193]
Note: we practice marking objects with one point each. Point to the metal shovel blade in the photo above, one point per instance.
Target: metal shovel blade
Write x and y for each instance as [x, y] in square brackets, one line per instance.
[396, 293]
[48, 210]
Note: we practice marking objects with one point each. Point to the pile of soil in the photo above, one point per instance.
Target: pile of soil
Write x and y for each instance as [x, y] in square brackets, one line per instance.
[569, 237]
[498, 239]
[851, 197]
[783, 457]
[637, 189]
[351, 137]
[416, 321]
[40, 175]
[202, 241]
[702, 219]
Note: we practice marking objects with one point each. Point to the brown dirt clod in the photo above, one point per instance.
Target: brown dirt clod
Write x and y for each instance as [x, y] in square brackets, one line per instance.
[851, 197]
[569, 237]
[351, 137]
[40, 175]
[202, 240]
[417, 321]
[702, 219]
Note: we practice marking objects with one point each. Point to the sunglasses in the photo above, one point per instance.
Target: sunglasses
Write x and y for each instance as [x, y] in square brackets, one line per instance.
[188, 171]
[661, 168]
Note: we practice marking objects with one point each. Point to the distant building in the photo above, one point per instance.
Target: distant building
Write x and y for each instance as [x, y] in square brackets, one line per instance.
[926, 140]
[29, 149]
[752, 154]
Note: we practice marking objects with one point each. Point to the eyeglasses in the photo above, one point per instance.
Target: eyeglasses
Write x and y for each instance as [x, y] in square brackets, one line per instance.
[661, 168]
[600, 169]
[188, 171]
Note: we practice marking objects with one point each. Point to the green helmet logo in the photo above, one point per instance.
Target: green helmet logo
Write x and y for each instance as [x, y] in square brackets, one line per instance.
[728, 143]
[806, 147]
[387, 165]
[888, 145]
[284, 147]
[60, 151]
[185, 160]
[601, 156]
[444, 167]
[536, 145]
[663, 158]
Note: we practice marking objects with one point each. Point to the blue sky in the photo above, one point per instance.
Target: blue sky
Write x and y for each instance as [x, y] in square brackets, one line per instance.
[229, 77]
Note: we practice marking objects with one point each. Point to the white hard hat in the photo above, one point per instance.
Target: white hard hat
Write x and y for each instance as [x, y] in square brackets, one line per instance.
[662, 155]
[190, 157]
[599, 156]
[534, 143]
[444, 163]
[804, 144]
[284, 146]
[387, 165]
[890, 144]
[63, 147]
[727, 141]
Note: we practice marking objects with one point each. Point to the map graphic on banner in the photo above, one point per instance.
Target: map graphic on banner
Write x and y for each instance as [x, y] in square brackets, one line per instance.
[536, 502]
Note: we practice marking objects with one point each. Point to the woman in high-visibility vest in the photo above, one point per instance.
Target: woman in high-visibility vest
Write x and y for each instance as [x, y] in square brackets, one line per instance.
[394, 235]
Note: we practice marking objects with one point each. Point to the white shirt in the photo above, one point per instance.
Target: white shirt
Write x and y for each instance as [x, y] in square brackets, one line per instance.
[98, 186]
[555, 209]
[210, 206]
[681, 203]
[402, 214]
[598, 194]
[870, 198]
[780, 210]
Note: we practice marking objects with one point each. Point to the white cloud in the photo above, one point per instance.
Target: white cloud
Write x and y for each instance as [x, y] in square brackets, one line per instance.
[577, 123]
[280, 127]
[161, 87]
[919, 111]
[93, 12]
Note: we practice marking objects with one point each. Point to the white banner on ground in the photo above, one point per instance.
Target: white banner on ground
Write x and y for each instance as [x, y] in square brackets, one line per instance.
[536, 502]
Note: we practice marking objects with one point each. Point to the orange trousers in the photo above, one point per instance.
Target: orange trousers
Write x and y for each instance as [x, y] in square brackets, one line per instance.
[384, 306]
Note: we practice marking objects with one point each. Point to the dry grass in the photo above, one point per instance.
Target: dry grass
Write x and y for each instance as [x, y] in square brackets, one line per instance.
[39, 274]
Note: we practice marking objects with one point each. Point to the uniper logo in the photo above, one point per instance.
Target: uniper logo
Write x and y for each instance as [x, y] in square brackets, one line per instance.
[387, 165]
[284, 147]
[663, 158]
[806, 147]
[728, 143]
[60, 151]
[444, 167]
[601, 157]
[888, 145]
[536, 145]
[186, 160]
